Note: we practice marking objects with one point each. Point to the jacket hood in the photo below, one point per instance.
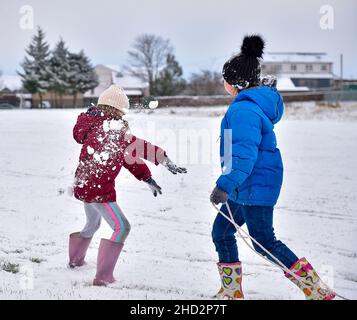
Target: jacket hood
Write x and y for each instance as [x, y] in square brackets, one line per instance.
[85, 123]
[268, 99]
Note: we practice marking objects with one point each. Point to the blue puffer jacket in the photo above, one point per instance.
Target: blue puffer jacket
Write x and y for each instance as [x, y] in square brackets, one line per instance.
[252, 168]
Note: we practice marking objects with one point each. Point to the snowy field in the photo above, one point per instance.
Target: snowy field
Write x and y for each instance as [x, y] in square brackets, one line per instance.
[169, 253]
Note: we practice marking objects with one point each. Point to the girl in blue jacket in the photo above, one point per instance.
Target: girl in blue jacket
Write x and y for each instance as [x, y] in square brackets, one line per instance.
[252, 175]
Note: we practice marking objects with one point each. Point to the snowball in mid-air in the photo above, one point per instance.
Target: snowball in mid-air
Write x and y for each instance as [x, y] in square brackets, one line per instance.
[153, 104]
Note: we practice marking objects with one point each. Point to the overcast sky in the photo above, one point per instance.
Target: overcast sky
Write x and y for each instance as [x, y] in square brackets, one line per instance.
[203, 32]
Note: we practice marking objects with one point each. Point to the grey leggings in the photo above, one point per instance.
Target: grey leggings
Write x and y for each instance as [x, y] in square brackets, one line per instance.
[112, 214]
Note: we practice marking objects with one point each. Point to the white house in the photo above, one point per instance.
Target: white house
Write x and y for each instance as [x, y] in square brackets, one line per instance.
[135, 88]
[312, 70]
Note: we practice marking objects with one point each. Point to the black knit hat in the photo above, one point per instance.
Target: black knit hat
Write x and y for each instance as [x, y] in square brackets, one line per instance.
[243, 70]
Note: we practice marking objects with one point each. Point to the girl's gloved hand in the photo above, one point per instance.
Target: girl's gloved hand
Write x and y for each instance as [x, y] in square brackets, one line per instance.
[154, 187]
[269, 81]
[218, 196]
[173, 168]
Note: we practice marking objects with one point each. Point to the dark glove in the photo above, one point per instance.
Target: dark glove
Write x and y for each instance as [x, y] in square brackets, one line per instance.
[154, 187]
[94, 111]
[173, 168]
[269, 81]
[218, 196]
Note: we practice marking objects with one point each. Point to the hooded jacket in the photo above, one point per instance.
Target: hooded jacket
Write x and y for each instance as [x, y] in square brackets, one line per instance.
[107, 146]
[252, 168]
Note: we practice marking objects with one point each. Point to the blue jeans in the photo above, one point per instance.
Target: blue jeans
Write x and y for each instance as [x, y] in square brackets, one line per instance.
[259, 220]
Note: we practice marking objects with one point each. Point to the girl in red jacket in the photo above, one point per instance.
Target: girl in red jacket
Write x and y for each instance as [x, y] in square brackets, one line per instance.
[107, 146]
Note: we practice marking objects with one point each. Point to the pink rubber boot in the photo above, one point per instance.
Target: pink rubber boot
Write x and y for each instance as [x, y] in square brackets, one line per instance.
[312, 286]
[77, 249]
[108, 255]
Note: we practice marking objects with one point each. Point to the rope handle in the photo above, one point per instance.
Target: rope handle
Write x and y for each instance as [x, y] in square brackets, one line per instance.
[278, 263]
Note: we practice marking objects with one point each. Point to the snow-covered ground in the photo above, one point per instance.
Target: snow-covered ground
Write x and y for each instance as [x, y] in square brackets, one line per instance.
[169, 253]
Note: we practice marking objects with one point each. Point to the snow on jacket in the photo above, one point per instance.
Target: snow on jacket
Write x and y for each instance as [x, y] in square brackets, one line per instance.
[252, 169]
[107, 146]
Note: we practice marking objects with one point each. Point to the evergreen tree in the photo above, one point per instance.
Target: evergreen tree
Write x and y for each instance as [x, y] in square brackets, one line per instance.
[82, 76]
[60, 71]
[169, 81]
[36, 72]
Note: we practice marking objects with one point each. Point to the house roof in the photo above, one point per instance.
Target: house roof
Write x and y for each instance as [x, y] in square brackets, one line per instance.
[131, 93]
[309, 75]
[296, 57]
[11, 82]
[112, 75]
[128, 82]
[124, 79]
[286, 84]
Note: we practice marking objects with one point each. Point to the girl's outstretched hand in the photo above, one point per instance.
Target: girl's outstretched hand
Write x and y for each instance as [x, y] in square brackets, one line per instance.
[173, 168]
[154, 187]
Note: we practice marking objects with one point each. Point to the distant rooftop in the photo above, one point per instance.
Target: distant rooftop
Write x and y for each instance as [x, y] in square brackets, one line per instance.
[307, 75]
[11, 82]
[286, 84]
[124, 79]
[302, 57]
[128, 82]
[133, 86]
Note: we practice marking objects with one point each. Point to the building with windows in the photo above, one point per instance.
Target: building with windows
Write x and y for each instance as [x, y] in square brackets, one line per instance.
[312, 70]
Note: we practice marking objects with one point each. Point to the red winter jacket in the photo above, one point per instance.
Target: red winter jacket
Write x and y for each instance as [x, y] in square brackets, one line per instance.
[106, 148]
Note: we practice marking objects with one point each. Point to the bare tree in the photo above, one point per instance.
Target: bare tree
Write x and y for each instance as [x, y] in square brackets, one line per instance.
[148, 57]
[205, 82]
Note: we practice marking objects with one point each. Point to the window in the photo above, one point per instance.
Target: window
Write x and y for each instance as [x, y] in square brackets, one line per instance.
[293, 67]
[308, 67]
[323, 67]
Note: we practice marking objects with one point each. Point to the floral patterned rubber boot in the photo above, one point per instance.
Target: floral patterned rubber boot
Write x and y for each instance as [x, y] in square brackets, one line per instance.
[314, 288]
[231, 279]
